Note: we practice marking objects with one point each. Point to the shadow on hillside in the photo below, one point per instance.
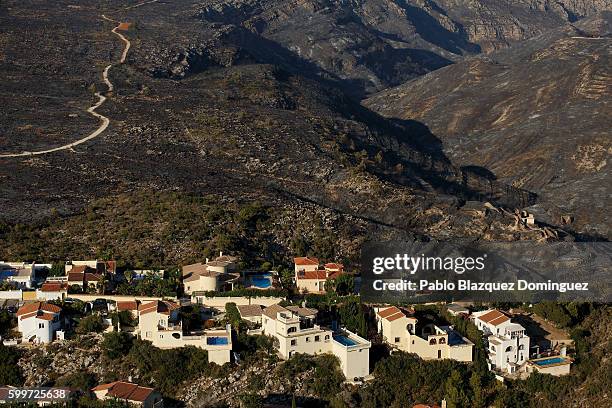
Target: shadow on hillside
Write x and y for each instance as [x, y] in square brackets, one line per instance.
[415, 157]
[431, 31]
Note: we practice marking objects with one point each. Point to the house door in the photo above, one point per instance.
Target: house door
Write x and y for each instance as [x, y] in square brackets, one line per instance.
[439, 353]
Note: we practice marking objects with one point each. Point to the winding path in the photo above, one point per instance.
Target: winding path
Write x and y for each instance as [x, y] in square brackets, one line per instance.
[91, 110]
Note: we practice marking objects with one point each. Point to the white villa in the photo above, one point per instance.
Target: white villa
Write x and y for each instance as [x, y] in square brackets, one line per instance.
[52, 291]
[39, 322]
[159, 322]
[215, 275]
[508, 345]
[403, 332]
[309, 277]
[296, 332]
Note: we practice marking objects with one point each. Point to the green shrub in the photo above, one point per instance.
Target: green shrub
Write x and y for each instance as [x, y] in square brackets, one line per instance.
[93, 323]
[116, 344]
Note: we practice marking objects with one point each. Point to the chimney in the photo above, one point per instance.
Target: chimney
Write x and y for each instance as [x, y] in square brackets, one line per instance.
[443, 403]
[220, 253]
[206, 260]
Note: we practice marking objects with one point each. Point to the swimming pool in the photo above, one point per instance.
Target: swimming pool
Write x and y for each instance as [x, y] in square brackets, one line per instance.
[261, 281]
[345, 341]
[217, 341]
[550, 361]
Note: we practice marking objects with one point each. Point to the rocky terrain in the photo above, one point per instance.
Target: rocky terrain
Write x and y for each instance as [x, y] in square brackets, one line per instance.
[242, 132]
[535, 115]
[366, 46]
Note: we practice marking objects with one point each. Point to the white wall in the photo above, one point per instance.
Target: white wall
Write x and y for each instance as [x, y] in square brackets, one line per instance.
[11, 294]
[220, 301]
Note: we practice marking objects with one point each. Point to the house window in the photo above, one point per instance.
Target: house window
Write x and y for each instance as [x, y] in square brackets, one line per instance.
[291, 330]
[397, 339]
[317, 338]
[442, 341]
[432, 341]
[294, 342]
[307, 339]
[148, 334]
[326, 337]
[508, 349]
[41, 325]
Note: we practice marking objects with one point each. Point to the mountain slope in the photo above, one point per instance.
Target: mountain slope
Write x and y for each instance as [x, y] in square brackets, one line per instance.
[243, 133]
[536, 115]
[370, 45]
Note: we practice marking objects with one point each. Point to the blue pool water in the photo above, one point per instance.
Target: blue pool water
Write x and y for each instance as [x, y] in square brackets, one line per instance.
[262, 281]
[345, 341]
[549, 361]
[216, 341]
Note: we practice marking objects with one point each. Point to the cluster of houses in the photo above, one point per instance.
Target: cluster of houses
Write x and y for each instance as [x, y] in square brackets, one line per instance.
[295, 328]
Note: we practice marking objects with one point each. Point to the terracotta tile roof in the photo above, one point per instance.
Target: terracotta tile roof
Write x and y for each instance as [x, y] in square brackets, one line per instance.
[125, 390]
[494, 317]
[334, 266]
[103, 387]
[92, 277]
[249, 310]
[272, 310]
[192, 278]
[159, 306]
[303, 311]
[52, 287]
[388, 311]
[426, 406]
[128, 305]
[45, 316]
[79, 269]
[140, 393]
[36, 306]
[391, 313]
[334, 275]
[194, 269]
[306, 260]
[318, 275]
[75, 276]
